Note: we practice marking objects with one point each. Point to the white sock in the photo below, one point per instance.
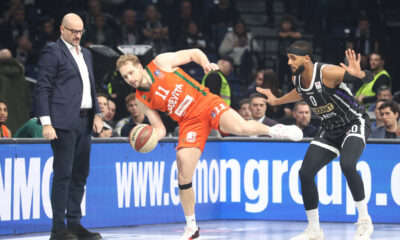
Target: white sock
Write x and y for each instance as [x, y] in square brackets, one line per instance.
[313, 218]
[362, 209]
[191, 221]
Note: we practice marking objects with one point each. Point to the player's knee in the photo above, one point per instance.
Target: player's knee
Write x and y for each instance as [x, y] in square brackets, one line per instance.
[305, 175]
[347, 167]
[185, 186]
[182, 179]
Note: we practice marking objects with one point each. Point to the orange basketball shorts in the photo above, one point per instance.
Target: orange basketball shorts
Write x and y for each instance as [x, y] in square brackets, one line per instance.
[196, 126]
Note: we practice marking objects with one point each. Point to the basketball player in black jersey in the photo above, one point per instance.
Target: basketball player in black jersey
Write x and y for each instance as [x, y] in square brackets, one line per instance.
[344, 129]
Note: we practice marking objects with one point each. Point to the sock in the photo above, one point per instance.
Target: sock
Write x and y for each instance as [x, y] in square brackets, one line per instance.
[191, 221]
[362, 209]
[313, 218]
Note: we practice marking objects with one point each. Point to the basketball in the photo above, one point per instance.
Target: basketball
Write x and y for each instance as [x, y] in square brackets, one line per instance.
[143, 138]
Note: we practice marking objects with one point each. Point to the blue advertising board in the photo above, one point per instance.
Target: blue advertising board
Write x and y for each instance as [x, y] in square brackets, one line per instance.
[233, 180]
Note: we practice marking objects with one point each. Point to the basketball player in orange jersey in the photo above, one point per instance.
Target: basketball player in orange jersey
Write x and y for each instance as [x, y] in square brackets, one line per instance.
[163, 86]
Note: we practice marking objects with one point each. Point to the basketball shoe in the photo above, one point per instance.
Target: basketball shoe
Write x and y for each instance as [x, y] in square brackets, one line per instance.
[364, 229]
[290, 132]
[310, 234]
[191, 234]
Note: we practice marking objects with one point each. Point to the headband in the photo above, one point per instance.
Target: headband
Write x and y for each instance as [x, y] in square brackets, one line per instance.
[297, 51]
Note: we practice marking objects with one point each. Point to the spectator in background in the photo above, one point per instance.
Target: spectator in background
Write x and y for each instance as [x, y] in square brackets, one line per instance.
[302, 114]
[136, 118]
[99, 33]
[102, 99]
[95, 10]
[192, 38]
[378, 122]
[287, 34]
[244, 109]
[221, 18]
[14, 29]
[363, 41]
[25, 53]
[258, 108]
[14, 90]
[258, 81]
[154, 31]
[109, 117]
[46, 34]
[5, 53]
[237, 44]
[224, 14]
[217, 81]
[131, 32]
[389, 111]
[181, 23]
[4, 131]
[13, 6]
[383, 93]
[30, 129]
[367, 92]
[271, 81]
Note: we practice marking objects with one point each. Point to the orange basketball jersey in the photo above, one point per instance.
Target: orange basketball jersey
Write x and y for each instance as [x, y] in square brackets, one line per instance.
[175, 93]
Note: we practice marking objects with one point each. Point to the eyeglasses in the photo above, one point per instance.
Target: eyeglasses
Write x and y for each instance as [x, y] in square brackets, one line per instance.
[75, 32]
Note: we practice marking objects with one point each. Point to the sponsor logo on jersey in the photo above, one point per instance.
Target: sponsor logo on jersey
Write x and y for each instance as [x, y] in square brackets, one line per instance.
[323, 109]
[158, 74]
[191, 137]
[318, 87]
[173, 100]
[213, 114]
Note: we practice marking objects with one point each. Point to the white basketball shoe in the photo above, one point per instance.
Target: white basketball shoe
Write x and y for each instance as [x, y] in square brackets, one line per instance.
[364, 229]
[310, 234]
[290, 132]
[191, 234]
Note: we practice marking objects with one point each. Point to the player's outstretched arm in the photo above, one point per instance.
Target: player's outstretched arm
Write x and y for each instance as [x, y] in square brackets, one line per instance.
[170, 61]
[292, 96]
[154, 119]
[354, 67]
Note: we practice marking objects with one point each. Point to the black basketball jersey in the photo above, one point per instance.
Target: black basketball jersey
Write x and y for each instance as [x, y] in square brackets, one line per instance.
[336, 107]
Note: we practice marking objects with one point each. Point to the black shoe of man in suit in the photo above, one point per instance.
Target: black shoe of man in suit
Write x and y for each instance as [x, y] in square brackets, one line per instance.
[82, 233]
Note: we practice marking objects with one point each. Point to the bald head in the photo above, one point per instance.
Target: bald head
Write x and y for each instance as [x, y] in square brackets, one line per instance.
[72, 29]
[71, 18]
[5, 53]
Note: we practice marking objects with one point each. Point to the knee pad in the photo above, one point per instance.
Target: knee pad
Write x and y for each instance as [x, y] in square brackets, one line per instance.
[185, 186]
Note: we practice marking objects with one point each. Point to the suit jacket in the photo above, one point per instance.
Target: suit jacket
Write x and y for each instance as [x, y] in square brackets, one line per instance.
[59, 87]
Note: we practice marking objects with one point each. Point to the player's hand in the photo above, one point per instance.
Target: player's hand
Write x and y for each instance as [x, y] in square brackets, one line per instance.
[97, 124]
[354, 67]
[271, 99]
[210, 67]
[49, 132]
[106, 133]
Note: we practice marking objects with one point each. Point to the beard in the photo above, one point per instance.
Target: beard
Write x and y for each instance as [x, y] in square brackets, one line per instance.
[299, 70]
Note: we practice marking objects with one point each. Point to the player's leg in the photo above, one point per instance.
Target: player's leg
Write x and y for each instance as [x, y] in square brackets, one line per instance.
[318, 155]
[231, 122]
[187, 159]
[351, 151]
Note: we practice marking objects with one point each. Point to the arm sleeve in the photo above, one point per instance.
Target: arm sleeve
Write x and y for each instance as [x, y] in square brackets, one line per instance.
[213, 82]
[48, 66]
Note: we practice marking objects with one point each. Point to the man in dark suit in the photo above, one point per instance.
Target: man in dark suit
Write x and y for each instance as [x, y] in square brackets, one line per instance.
[68, 110]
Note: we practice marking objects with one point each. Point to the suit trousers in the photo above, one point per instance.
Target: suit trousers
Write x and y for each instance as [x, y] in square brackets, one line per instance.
[71, 152]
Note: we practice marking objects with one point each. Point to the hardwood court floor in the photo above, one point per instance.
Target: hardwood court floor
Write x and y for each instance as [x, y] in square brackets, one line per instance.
[232, 230]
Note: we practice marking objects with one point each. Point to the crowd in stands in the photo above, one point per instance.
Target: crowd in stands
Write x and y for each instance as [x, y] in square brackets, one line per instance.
[215, 27]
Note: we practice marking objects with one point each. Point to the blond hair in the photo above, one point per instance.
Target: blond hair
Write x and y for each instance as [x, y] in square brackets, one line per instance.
[130, 97]
[124, 59]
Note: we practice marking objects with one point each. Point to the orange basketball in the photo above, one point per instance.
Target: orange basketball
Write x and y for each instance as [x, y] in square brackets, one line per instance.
[143, 138]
